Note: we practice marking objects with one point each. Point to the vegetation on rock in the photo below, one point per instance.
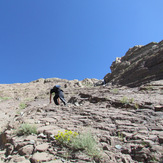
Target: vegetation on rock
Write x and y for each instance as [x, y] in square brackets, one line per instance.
[79, 142]
[26, 129]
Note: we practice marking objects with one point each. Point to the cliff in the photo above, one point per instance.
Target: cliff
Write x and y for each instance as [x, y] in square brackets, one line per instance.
[140, 65]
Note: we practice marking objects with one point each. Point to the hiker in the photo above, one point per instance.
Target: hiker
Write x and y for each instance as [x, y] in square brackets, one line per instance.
[58, 95]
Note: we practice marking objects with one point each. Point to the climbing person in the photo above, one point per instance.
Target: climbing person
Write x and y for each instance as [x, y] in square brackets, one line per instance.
[58, 95]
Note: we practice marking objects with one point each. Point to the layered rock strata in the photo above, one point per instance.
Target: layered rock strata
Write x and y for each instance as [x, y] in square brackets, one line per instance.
[127, 122]
[140, 65]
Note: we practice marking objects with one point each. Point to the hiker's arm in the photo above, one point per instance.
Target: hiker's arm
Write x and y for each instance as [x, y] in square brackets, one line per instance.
[58, 101]
[50, 98]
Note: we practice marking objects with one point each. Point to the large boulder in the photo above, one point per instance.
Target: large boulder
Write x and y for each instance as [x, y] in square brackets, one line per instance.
[140, 65]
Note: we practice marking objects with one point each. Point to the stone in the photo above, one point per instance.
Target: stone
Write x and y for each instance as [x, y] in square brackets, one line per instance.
[53, 131]
[156, 148]
[160, 139]
[127, 135]
[154, 138]
[139, 136]
[118, 146]
[158, 108]
[42, 147]
[45, 128]
[126, 150]
[19, 159]
[26, 150]
[20, 144]
[41, 135]
[41, 157]
[31, 137]
[9, 149]
[105, 146]
[83, 157]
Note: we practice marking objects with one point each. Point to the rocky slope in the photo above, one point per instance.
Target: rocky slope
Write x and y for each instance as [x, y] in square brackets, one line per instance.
[140, 65]
[126, 122]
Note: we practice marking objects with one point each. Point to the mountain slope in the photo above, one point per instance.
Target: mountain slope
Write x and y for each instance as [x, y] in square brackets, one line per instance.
[126, 122]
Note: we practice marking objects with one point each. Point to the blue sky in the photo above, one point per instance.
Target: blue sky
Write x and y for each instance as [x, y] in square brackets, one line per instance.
[72, 39]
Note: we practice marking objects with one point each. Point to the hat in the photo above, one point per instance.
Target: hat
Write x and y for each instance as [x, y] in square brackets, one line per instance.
[58, 86]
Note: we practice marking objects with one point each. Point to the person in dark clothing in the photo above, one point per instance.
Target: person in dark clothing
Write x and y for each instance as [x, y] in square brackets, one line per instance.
[58, 95]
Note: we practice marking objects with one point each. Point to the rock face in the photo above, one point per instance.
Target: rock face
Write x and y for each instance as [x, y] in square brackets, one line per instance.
[126, 122]
[140, 65]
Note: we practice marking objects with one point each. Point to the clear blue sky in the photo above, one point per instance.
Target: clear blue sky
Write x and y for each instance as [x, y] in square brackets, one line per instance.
[72, 39]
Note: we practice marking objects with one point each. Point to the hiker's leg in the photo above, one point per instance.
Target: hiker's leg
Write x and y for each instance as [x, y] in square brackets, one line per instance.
[56, 99]
[63, 100]
[61, 96]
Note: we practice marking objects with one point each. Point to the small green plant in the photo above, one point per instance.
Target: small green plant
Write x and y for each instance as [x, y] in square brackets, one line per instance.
[87, 142]
[120, 136]
[4, 98]
[87, 84]
[126, 101]
[144, 144]
[136, 106]
[26, 129]
[22, 106]
[149, 88]
[114, 91]
[28, 99]
[131, 100]
[154, 159]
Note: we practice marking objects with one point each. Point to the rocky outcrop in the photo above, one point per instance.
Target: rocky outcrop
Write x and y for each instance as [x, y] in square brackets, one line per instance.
[140, 65]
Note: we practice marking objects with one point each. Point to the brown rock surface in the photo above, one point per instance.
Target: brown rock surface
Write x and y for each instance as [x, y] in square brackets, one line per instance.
[42, 147]
[140, 65]
[128, 122]
[41, 157]
[26, 150]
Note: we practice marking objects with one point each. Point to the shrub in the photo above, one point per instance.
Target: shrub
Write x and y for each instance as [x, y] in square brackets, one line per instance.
[85, 141]
[65, 138]
[79, 142]
[26, 129]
